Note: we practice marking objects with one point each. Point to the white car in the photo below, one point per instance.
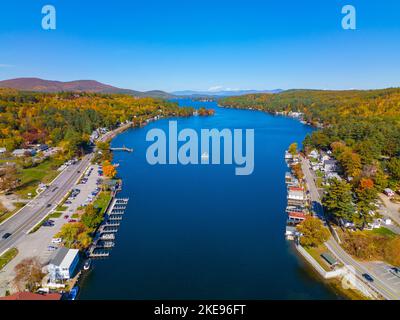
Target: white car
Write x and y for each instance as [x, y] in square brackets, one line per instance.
[56, 240]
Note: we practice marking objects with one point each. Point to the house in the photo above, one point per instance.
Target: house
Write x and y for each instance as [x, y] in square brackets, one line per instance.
[389, 192]
[330, 165]
[32, 296]
[332, 175]
[296, 193]
[23, 152]
[291, 232]
[63, 265]
[296, 217]
[42, 147]
[313, 154]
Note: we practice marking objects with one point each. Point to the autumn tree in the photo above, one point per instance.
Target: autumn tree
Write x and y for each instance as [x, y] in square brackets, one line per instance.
[91, 218]
[392, 251]
[109, 170]
[366, 196]
[313, 232]
[28, 274]
[8, 178]
[293, 149]
[73, 234]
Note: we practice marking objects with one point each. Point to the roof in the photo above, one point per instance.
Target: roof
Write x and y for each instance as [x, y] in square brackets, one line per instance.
[298, 215]
[333, 162]
[32, 296]
[331, 260]
[59, 257]
[295, 188]
[69, 258]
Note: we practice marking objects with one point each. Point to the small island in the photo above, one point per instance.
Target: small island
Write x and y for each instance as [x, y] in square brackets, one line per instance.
[205, 112]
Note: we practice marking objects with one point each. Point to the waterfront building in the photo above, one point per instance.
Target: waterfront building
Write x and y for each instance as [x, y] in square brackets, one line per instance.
[63, 265]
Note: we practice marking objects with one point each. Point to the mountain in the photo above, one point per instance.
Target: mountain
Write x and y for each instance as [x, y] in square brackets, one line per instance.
[222, 93]
[36, 84]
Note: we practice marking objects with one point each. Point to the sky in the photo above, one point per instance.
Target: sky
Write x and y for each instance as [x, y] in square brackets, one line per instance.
[204, 45]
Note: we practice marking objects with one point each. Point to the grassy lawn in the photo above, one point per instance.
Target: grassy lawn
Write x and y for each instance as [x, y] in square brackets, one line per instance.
[316, 254]
[55, 215]
[383, 232]
[61, 208]
[102, 201]
[75, 216]
[7, 257]
[31, 177]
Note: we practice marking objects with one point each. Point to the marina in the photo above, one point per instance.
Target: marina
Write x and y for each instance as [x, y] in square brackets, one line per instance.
[104, 239]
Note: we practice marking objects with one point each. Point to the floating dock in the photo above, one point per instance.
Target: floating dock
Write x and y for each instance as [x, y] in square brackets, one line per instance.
[105, 236]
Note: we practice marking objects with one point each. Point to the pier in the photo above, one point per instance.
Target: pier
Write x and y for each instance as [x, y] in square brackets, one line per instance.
[104, 239]
[123, 148]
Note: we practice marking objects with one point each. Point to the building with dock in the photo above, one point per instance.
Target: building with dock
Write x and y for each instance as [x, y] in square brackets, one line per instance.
[63, 265]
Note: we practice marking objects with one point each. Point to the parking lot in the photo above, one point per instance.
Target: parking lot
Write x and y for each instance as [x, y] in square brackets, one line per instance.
[37, 244]
[382, 270]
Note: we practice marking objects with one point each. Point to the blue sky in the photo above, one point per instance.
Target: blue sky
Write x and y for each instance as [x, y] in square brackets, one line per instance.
[201, 44]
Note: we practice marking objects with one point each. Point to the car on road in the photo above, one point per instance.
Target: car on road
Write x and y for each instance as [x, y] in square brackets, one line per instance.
[51, 248]
[367, 277]
[395, 271]
[66, 216]
[48, 205]
[71, 220]
[56, 240]
[6, 235]
[68, 202]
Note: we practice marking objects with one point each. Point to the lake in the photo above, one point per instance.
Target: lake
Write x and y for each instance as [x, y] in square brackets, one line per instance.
[200, 231]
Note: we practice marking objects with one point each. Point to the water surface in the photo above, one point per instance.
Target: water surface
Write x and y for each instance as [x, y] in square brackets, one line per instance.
[200, 231]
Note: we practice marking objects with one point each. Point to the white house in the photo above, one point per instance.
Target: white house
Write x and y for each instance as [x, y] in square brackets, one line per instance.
[63, 265]
[23, 152]
[314, 154]
[330, 165]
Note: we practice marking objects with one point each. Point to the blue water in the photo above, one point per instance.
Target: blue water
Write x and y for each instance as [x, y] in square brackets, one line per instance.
[200, 231]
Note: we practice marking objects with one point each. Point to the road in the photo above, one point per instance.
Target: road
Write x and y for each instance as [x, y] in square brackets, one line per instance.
[380, 285]
[37, 209]
[33, 212]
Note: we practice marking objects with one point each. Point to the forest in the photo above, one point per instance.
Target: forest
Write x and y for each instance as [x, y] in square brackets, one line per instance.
[67, 119]
[360, 128]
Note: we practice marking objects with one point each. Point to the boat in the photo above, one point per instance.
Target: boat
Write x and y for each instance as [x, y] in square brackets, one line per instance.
[87, 264]
[73, 293]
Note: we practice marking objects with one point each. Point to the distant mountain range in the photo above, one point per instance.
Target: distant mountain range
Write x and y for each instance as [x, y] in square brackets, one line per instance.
[36, 84]
[222, 93]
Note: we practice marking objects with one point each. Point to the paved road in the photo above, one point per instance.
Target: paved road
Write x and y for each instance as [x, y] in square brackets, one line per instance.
[380, 284]
[33, 212]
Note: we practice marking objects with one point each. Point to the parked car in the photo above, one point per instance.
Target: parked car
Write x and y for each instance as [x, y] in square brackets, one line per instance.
[56, 240]
[6, 235]
[66, 216]
[367, 277]
[48, 224]
[51, 248]
[71, 220]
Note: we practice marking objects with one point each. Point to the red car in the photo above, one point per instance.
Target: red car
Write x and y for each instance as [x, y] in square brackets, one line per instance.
[71, 220]
[66, 216]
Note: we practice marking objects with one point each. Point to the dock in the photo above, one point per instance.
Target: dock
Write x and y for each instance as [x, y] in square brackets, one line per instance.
[123, 148]
[104, 239]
